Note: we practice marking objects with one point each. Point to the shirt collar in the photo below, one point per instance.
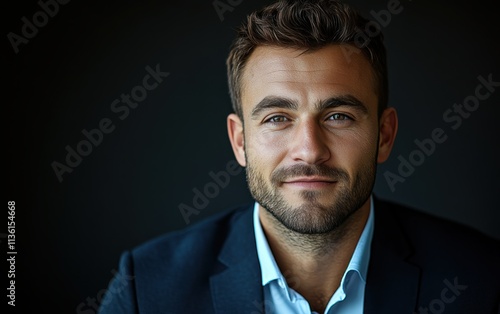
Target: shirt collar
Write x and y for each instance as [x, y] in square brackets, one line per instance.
[270, 270]
[361, 256]
[268, 266]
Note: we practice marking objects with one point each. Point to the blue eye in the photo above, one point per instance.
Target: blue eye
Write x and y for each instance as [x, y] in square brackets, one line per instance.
[339, 116]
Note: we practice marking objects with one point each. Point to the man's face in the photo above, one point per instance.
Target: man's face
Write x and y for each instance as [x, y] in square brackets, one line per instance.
[310, 135]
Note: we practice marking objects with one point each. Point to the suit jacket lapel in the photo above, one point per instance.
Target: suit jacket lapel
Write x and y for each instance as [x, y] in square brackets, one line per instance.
[237, 287]
[392, 281]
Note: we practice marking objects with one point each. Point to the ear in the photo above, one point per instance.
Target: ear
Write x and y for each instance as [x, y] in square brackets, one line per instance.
[237, 138]
[387, 133]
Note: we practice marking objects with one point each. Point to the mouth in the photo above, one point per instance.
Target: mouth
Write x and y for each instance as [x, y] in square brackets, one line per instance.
[309, 182]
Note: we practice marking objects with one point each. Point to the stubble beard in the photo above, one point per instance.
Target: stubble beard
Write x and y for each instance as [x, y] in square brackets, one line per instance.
[312, 216]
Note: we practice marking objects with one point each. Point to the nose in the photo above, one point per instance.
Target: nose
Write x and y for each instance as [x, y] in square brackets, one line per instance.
[309, 143]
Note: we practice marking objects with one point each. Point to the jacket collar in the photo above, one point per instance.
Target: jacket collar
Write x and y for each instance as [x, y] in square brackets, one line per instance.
[237, 288]
[392, 283]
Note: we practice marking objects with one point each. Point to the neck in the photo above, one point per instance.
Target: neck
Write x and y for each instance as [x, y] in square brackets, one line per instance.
[313, 264]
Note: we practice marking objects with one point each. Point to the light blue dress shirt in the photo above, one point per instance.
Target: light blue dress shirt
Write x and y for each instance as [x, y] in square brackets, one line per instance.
[280, 298]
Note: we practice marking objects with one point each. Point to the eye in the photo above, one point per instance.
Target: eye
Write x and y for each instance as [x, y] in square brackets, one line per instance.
[277, 119]
[339, 116]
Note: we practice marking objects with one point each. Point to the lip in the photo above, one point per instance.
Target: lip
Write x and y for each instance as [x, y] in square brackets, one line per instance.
[309, 182]
[310, 179]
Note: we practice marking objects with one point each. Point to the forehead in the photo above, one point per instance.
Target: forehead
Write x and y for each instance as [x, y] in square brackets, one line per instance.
[307, 76]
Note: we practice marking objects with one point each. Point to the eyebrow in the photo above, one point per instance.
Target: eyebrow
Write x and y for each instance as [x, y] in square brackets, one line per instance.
[273, 102]
[342, 101]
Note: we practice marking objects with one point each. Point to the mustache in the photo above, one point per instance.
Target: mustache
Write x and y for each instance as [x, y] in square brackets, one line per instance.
[283, 174]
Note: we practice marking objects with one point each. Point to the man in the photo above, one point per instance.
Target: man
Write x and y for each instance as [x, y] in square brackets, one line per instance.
[311, 123]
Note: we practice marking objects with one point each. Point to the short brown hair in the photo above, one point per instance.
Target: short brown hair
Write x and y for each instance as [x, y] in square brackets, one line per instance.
[306, 24]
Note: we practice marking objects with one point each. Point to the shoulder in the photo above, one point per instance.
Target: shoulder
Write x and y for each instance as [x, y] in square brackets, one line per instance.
[200, 241]
[179, 264]
[165, 273]
[421, 227]
[431, 262]
[208, 232]
[438, 246]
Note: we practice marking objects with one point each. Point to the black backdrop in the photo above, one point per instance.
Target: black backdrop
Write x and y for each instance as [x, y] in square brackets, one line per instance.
[66, 77]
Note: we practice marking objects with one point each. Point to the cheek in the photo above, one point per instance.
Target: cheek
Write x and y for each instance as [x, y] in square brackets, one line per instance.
[355, 149]
[268, 148]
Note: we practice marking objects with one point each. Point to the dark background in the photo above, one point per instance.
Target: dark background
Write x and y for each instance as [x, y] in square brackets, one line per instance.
[128, 190]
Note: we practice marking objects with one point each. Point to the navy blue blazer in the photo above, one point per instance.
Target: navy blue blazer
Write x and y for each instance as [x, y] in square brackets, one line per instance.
[418, 264]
